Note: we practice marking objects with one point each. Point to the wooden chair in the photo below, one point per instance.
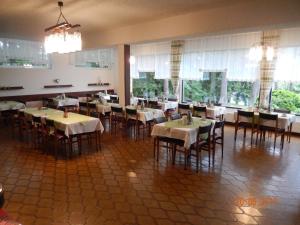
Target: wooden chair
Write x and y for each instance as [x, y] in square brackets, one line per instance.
[114, 99]
[158, 139]
[83, 108]
[218, 137]
[54, 137]
[269, 122]
[183, 108]
[200, 111]
[37, 131]
[245, 120]
[92, 109]
[117, 118]
[203, 143]
[132, 121]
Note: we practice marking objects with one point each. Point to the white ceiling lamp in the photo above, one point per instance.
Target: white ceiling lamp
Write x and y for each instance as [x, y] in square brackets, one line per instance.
[62, 38]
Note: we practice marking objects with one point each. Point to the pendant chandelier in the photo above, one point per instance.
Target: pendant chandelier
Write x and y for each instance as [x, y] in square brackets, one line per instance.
[62, 38]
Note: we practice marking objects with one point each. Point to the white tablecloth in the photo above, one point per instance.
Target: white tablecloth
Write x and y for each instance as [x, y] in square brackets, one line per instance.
[284, 120]
[11, 105]
[148, 114]
[186, 133]
[74, 124]
[65, 102]
[168, 105]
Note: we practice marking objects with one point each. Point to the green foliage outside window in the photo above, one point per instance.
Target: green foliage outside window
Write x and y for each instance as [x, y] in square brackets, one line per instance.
[284, 99]
[239, 92]
[148, 86]
[203, 90]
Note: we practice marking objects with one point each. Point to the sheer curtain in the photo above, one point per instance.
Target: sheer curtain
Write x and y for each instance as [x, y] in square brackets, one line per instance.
[19, 53]
[224, 53]
[151, 57]
[288, 56]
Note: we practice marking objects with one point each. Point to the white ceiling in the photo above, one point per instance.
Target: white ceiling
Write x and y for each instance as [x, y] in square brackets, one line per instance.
[28, 18]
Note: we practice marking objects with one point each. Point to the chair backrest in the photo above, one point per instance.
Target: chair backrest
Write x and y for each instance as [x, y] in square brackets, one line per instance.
[219, 125]
[245, 114]
[92, 106]
[200, 111]
[160, 120]
[204, 130]
[282, 111]
[114, 98]
[115, 109]
[268, 116]
[102, 91]
[175, 116]
[72, 96]
[172, 99]
[21, 114]
[152, 103]
[199, 108]
[49, 123]
[131, 112]
[110, 91]
[183, 106]
[36, 119]
[83, 104]
[142, 100]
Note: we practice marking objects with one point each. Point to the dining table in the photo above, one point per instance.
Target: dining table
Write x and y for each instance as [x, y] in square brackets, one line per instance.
[178, 129]
[73, 124]
[11, 105]
[147, 114]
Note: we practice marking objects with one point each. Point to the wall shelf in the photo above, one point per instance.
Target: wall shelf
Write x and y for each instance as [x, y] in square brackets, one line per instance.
[58, 86]
[98, 84]
[11, 88]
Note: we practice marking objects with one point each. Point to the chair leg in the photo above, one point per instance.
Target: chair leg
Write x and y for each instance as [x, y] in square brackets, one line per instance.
[235, 132]
[275, 139]
[197, 160]
[154, 146]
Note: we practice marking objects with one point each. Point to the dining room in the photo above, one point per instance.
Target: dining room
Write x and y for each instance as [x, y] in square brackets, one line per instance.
[161, 112]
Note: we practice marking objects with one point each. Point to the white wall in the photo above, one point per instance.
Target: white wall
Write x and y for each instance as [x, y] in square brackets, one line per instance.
[33, 80]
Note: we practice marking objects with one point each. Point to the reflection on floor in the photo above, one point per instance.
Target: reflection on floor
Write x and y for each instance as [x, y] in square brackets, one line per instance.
[123, 184]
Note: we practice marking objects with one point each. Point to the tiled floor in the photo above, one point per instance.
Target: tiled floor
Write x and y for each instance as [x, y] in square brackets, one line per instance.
[123, 184]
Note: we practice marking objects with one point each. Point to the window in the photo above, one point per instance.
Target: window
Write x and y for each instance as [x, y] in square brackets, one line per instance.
[207, 89]
[240, 93]
[286, 95]
[22, 54]
[147, 86]
[100, 58]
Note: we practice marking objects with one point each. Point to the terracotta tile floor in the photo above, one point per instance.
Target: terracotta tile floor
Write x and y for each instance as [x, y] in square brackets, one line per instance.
[123, 184]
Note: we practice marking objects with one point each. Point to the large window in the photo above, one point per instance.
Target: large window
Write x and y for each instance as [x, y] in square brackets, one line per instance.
[286, 95]
[214, 87]
[207, 89]
[240, 93]
[147, 86]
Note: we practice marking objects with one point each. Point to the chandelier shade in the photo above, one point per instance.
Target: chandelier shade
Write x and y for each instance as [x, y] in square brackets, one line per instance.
[62, 37]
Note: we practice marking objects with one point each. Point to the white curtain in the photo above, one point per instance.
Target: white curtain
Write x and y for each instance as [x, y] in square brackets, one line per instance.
[288, 56]
[29, 52]
[153, 57]
[220, 53]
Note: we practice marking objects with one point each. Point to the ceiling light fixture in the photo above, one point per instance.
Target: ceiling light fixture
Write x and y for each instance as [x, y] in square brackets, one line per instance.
[60, 37]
